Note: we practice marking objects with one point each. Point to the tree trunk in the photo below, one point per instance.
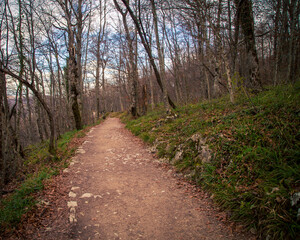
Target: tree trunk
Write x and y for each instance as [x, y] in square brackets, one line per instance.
[2, 161]
[132, 69]
[73, 80]
[160, 57]
[276, 45]
[148, 50]
[43, 103]
[245, 13]
[291, 53]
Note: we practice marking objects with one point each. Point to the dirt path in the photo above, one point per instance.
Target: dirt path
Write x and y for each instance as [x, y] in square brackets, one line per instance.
[117, 190]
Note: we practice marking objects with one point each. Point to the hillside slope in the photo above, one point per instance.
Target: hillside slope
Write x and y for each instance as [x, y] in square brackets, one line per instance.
[247, 155]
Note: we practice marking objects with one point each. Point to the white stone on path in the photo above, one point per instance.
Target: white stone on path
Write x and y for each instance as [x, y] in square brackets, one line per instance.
[72, 218]
[80, 150]
[72, 194]
[86, 195]
[72, 204]
[97, 196]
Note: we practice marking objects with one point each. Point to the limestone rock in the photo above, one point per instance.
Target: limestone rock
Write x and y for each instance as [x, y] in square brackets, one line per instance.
[86, 195]
[178, 155]
[202, 148]
[72, 204]
[72, 194]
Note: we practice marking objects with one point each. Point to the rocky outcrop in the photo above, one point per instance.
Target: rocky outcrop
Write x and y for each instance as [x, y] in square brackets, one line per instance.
[198, 143]
[204, 153]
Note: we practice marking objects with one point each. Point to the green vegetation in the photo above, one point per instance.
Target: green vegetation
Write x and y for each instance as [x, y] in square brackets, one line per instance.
[22, 200]
[254, 168]
[38, 166]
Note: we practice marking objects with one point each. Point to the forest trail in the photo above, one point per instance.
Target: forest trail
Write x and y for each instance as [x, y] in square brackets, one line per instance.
[118, 190]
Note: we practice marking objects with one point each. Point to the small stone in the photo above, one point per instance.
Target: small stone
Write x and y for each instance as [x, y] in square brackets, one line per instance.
[80, 150]
[72, 204]
[86, 195]
[74, 188]
[72, 210]
[45, 202]
[97, 196]
[66, 170]
[295, 198]
[72, 218]
[72, 194]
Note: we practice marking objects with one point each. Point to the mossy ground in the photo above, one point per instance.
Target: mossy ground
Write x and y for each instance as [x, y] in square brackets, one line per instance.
[255, 167]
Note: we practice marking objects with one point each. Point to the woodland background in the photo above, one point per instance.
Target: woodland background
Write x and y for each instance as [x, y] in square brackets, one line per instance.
[63, 63]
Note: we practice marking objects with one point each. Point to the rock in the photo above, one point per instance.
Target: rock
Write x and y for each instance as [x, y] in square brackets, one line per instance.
[72, 210]
[72, 204]
[205, 154]
[72, 218]
[178, 155]
[45, 202]
[80, 150]
[72, 194]
[202, 147]
[195, 138]
[295, 198]
[153, 149]
[86, 195]
[97, 196]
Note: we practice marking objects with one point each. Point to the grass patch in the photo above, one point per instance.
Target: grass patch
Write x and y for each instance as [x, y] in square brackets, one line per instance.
[38, 166]
[254, 170]
[22, 200]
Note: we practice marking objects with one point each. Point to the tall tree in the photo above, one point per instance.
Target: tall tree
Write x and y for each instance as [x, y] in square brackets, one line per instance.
[160, 56]
[146, 45]
[132, 70]
[245, 19]
[74, 49]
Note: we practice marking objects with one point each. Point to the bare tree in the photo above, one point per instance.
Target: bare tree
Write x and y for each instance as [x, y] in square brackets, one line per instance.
[132, 70]
[146, 45]
[246, 20]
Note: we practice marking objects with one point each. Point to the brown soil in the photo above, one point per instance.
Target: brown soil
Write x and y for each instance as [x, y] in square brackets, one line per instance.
[115, 188]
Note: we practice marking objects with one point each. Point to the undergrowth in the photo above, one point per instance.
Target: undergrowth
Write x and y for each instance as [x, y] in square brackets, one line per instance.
[255, 166]
[38, 166]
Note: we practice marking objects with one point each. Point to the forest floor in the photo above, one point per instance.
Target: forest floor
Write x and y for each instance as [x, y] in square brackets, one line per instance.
[115, 188]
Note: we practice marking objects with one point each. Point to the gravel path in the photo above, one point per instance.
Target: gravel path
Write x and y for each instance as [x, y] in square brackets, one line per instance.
[117, 190]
